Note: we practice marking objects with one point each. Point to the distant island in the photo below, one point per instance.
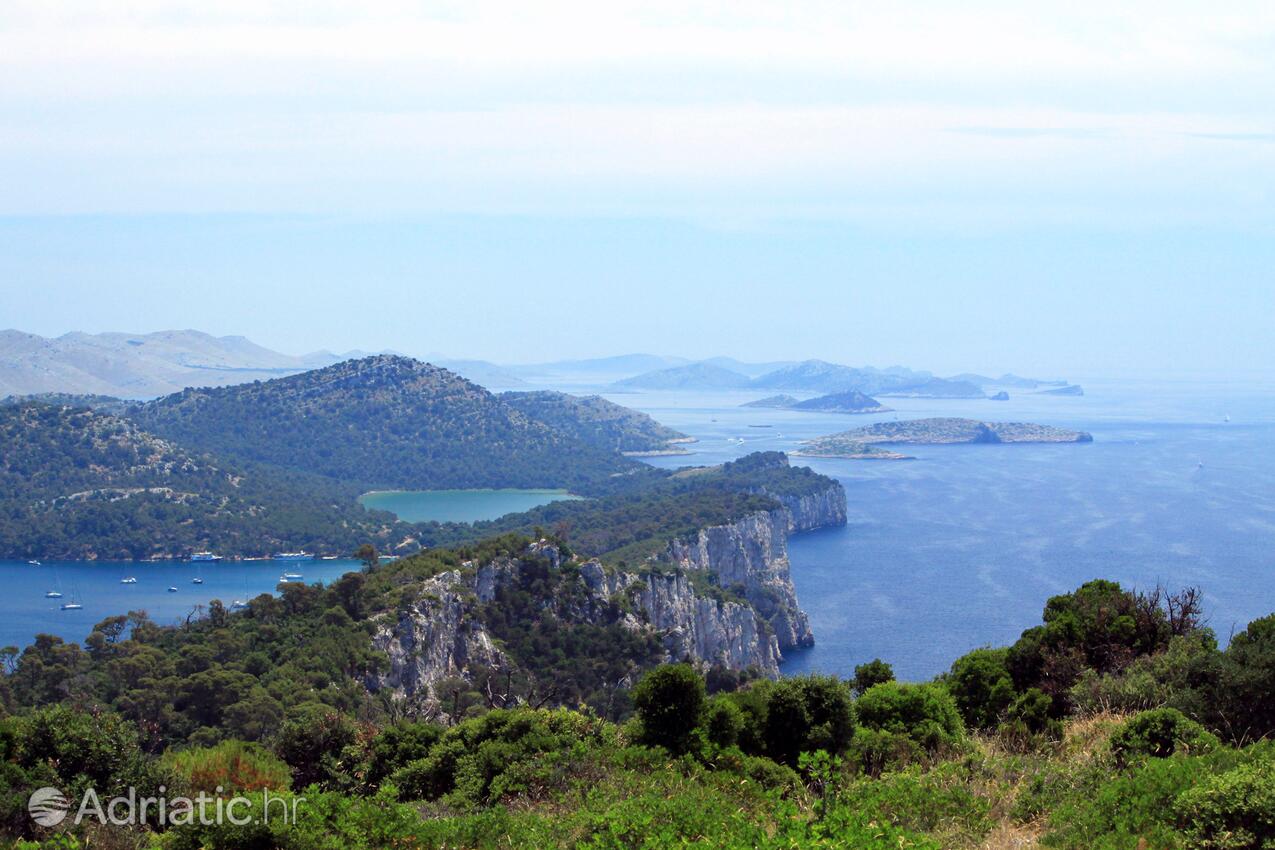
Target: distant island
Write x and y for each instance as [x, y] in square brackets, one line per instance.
[851, 401]
[834, 446]
[937, 431]
[1070, 389]
[779, 402]
[939, 388]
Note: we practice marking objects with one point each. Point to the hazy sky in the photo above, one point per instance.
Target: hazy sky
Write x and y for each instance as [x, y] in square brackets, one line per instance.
[1060, 187]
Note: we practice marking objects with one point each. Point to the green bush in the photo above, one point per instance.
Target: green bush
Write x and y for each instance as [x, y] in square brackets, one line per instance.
[924, 713]
[872, 673]
[723, 721]
[1159, 733]
[1245, 706]
[807, 713]
[1231, 811]
[1117, 811]
[1182, 676]
[981, 686]
[312, 742]
[504, 752]
[937, 801]
[670, 700]
[1029, 723]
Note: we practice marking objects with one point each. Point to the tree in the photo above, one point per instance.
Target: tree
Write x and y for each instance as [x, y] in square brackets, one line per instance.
[368, 555]
[1247, 682]
[669, 701]
[981, 685]
[924, 713]
[808, 713]
[872, 673]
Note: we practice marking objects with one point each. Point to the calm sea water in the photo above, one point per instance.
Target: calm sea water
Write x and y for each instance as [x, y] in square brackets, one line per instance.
[459, 505]
[96, 585]
[961, 547]
[957, 549]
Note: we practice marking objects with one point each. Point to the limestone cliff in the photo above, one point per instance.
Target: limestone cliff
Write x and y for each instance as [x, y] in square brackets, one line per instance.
[721, 597]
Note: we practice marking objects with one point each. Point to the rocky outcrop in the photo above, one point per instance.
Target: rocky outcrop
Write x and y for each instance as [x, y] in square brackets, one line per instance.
[434, 638]
[693, 626]
[721, 597]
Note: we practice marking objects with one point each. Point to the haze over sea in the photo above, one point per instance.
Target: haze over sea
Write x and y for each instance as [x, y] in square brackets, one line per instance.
[962, 547]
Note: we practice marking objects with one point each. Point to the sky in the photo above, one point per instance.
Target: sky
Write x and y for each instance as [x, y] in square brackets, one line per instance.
[1070, 187]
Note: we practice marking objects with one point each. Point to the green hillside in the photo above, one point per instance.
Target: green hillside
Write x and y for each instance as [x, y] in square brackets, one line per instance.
[382, 422]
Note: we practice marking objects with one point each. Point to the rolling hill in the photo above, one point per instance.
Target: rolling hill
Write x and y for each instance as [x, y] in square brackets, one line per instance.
[80, 484]
[383, 422]
[594, 420]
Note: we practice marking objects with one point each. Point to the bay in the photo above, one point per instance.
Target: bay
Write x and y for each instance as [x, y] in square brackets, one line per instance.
[97, 586]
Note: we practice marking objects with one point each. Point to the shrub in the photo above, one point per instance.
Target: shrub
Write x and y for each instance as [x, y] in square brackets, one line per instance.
[1247, 682]
[396, 746]
[504, 752]
[1029, 722]
[1159, 733]
[924, 713]
[1183, 676]
[311, 742]
[85, 750]
[1116, 812]
[981, 686]
[936, 801]
[872, 673]
[875, 751]
[1232, 811]
[230, 765]
[807, 713]
[723, 722]
[669, 700]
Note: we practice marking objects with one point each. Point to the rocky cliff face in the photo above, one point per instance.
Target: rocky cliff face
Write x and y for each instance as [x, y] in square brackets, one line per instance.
[723, 597]
[750, 556]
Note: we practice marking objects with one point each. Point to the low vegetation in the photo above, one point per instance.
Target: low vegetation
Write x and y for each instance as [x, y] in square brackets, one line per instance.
[1116, 723]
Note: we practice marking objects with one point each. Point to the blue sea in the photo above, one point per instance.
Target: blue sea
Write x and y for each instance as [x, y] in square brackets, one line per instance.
[961, 547]
[25, 612]
[957, 549]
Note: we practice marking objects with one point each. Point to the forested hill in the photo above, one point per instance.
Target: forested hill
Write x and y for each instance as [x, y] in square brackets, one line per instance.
[382, 422]
[81, 484]
[602, 424]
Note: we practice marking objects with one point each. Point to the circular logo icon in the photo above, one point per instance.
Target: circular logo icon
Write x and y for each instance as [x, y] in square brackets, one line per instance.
[48, 806]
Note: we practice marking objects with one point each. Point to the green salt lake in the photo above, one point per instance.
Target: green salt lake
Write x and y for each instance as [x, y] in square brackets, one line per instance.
[458, 505]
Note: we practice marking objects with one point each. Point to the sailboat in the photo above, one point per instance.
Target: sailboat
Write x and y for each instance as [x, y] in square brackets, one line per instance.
[55, 594]
[74, 604]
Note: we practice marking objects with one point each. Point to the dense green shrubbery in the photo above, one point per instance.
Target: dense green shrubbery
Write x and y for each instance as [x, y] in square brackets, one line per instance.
[798, 762]
[670, 703]
[1159, 733]
[1234, 810]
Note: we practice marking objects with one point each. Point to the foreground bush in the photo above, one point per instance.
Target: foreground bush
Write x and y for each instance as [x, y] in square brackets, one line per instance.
[1159, 733]
[231, 766]
[1232, 811]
